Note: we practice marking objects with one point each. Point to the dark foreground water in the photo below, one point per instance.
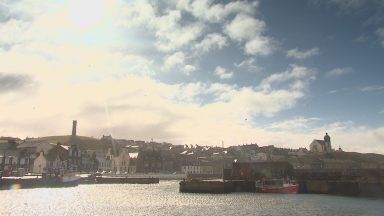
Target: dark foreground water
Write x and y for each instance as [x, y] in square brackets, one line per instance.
[164, 199]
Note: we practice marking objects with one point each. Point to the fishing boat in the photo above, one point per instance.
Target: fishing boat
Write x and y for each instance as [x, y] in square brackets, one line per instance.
[277, 186]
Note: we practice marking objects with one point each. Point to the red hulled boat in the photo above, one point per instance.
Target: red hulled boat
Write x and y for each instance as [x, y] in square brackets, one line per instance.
[276, 186]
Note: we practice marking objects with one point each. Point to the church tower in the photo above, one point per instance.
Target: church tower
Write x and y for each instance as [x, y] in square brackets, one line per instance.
[327, 143]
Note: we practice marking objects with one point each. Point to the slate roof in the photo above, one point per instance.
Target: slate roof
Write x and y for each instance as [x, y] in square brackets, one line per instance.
[319, 141]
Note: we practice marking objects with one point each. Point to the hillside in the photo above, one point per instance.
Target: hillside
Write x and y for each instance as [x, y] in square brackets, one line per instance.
[65, 139]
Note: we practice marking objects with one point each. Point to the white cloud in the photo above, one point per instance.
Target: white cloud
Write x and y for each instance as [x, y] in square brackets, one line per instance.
[172, 35]
[212, 41]
[133, 102]
[177, 61]
[244, 28]
[137, 104]
[207, 11]
[189, 69]
[298, 77]
[372, 88]
[249, 64]
[336, 72]
[298, 123]
[334, 91]
[11, 32]
[4, 12]
[222, 73]
[302, 54]
[174, 60]
[137, 13]
[190, 92]
[259, 46]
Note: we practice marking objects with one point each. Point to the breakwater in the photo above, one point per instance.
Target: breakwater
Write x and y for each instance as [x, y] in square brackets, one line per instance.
[352, 182]
[215, 186]
[309, 187]
[211, 186]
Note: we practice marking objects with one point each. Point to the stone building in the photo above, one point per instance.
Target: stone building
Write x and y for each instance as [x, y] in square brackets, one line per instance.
[321, 146]
[149, 161]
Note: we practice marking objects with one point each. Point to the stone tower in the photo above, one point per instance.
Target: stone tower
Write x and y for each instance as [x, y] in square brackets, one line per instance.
[327, 143]
[74, 160]
[74, 127]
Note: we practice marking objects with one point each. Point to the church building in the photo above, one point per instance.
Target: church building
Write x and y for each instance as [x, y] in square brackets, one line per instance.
[321, 146]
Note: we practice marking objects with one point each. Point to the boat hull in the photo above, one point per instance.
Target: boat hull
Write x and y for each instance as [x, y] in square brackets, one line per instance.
[292, 189]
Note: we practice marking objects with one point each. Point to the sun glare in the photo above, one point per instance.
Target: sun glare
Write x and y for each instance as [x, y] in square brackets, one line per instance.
[86, 13]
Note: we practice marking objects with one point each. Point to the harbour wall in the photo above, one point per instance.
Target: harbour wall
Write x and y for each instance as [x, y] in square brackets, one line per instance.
[348, 188]
[350, 182]
[197, 186]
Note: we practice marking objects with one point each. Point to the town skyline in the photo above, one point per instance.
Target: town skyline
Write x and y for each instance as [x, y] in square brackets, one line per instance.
[316, 145]
[195, 72]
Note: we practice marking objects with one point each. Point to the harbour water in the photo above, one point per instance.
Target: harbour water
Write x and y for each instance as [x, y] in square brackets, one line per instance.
[164, 199]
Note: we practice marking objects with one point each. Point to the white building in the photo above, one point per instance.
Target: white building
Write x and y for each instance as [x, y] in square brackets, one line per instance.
[40, 164]
[317, 146]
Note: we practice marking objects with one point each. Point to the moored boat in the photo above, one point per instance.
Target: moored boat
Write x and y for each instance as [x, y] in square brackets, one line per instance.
[277, 186]
[69, 180]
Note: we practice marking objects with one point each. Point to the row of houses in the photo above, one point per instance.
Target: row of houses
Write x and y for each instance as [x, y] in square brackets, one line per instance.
[85, 154]
[37, 155]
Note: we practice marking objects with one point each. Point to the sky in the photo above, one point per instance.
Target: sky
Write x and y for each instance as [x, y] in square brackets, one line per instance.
[200, 72]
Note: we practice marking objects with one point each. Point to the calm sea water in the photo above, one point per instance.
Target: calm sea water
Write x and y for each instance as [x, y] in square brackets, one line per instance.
[164, 199]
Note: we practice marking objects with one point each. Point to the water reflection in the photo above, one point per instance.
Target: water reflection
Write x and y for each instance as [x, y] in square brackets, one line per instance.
[164, 199]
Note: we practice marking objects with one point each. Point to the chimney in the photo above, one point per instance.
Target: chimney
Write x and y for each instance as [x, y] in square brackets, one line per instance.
[74, 125]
